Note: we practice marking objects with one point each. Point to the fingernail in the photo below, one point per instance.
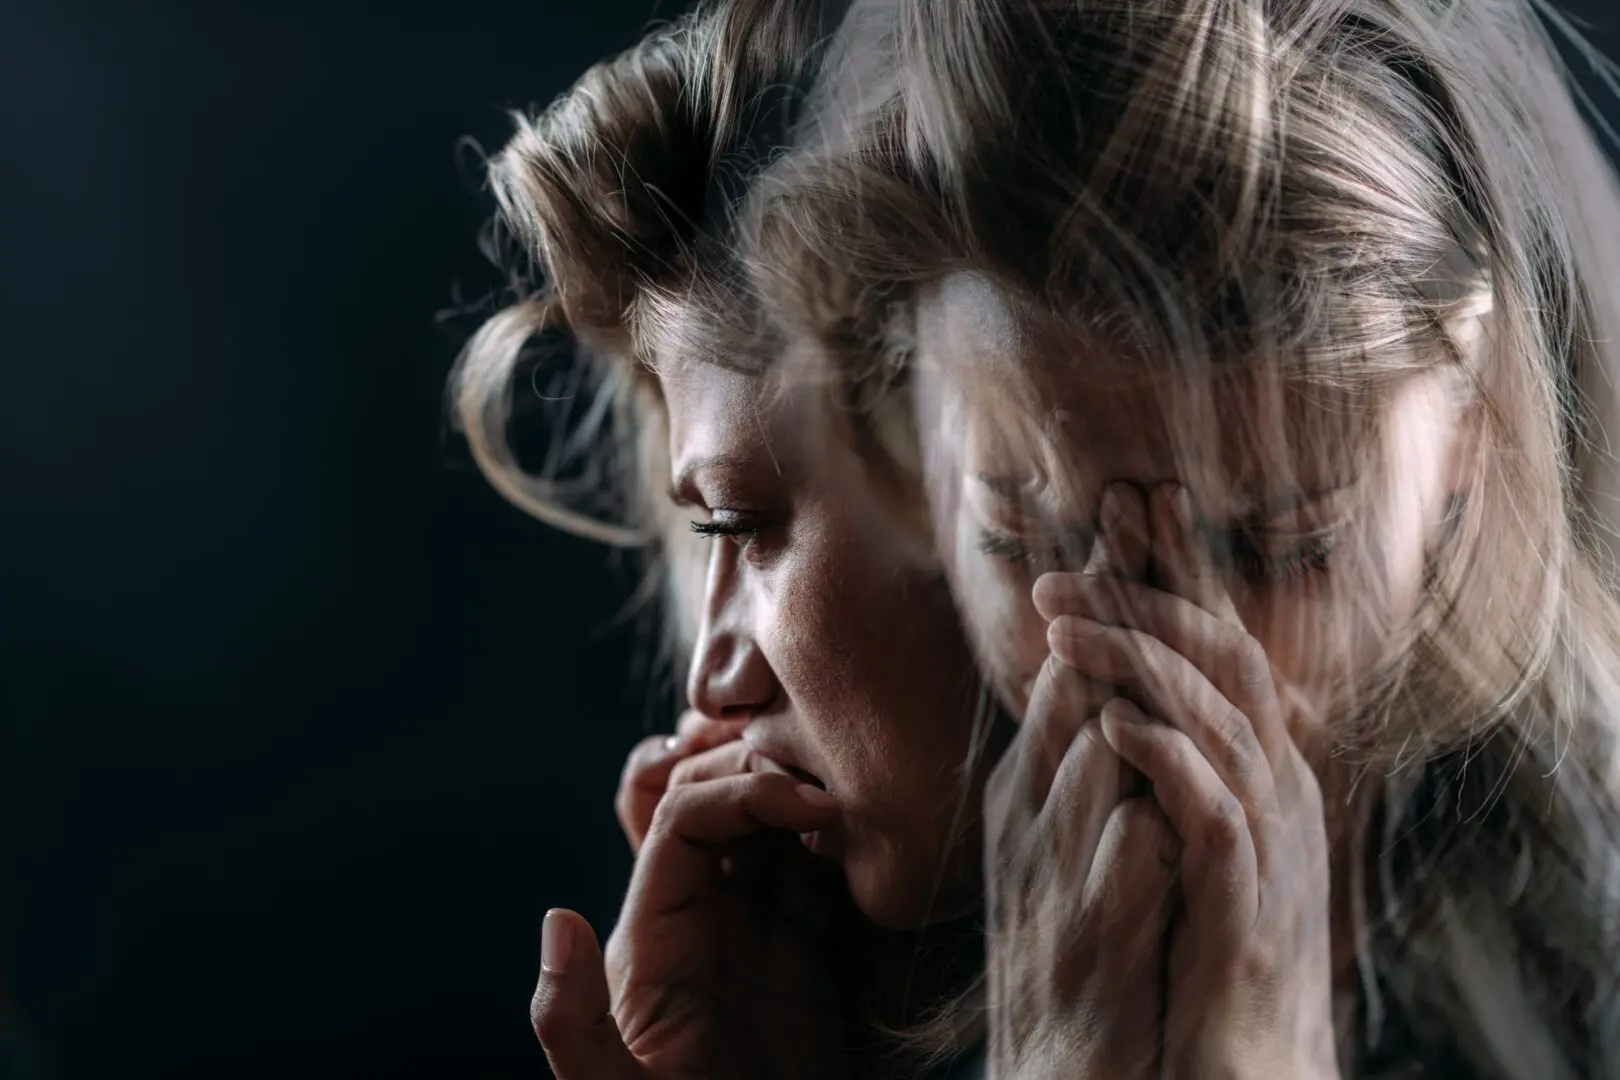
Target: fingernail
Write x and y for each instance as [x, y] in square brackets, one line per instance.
[1123, 711]
[1111, 510]
[556, 942]
[1181, 502]
[1075, 626]
[817, 798]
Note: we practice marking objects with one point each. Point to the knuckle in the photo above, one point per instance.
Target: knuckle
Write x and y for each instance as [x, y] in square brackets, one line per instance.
[676, 804]
[1246, 656]
[1224, 823]
[685, 772]
[545, 1017]
[1236, 742]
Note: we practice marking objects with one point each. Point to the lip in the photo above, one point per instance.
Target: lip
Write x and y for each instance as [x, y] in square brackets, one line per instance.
[771, 743]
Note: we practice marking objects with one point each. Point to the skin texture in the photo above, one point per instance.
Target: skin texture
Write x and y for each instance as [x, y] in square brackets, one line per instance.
[828, 637]
[1287, 532]
[828, 650]
[1085, 863]
[1381, 463]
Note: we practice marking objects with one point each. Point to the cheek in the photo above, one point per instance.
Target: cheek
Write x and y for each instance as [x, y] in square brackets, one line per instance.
[1008, 634]
[858, 635]
[1327, 632]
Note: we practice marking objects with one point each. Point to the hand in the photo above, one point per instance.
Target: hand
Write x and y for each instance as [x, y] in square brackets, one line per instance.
[1078, 873]
[1249, 990]
[717, 966]
[648, 769]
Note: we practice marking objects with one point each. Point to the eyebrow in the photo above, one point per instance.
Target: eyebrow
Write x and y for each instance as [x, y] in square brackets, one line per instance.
[1015, 491]
[1288, 502]
[683, 487]
[1012, 490]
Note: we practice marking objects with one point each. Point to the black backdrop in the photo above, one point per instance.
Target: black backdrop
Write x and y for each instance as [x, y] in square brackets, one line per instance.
[301, 728]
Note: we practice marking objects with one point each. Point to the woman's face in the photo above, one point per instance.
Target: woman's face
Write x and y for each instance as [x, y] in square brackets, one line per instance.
[824, 625]
[1321, 505]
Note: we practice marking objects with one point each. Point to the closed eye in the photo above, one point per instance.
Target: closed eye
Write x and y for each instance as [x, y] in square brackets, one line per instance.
[1042, 553]
[742, 530]
[1274, 560]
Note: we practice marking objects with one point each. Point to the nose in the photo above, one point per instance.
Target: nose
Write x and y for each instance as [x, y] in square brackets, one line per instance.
[730, 677]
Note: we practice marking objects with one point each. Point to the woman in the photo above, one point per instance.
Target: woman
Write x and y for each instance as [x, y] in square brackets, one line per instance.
[1294, 304]
[835, 695]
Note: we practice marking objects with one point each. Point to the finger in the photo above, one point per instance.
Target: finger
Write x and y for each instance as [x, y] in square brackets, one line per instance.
[1233, 661]
[732, 759]
[1123, 543]
[1061, 701]
[1220, 871]
[707, 730]
[695, 822]
[1130, 890]
[1119, 554]
[571, 1010]
[642, 783]
[1174, 690]
[751, 869]
[1085, 792]
[1181, 555]
[647, 770]
[1059, 704]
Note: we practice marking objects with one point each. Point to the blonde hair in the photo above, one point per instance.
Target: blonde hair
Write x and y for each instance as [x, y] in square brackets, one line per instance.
[1357, 182]
[614, 207]
[622, 201]
[622, 221]
[1353, 188]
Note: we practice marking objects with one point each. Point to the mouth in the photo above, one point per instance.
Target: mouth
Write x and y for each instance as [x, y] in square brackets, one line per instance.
[804, 776]
[779, 755]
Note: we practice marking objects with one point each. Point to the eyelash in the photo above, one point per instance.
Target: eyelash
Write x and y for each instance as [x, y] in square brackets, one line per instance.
[1240, 550]
[1011, 549]
[1310, 557]
[740, 529]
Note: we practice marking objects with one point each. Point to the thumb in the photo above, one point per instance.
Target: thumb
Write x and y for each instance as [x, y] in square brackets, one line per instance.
[571, 1008]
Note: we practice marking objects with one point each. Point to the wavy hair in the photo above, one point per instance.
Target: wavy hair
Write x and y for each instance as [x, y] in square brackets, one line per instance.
[1351, 189]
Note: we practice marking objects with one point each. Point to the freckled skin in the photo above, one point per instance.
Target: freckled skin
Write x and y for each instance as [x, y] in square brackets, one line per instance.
[834, 636]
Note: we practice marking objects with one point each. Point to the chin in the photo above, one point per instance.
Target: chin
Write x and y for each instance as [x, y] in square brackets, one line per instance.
[899, 896]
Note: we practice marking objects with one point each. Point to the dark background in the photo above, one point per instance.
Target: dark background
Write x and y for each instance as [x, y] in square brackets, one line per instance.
[301, 727]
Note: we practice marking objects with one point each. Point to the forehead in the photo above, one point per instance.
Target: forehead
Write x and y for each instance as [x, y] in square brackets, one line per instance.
[767, 413]
[1031, 396]
[703, 398]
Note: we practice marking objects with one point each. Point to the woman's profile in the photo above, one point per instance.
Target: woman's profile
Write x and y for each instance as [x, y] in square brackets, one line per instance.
[807, 843]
